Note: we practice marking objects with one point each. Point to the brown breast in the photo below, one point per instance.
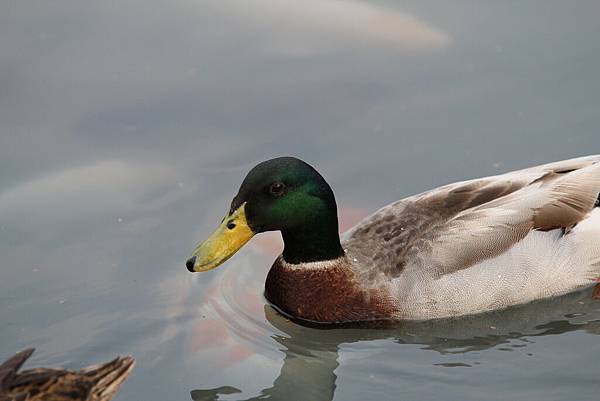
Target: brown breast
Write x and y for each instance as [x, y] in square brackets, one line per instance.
[326, 295]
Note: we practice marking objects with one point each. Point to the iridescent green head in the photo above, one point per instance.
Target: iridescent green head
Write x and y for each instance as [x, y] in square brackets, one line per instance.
[283, 194]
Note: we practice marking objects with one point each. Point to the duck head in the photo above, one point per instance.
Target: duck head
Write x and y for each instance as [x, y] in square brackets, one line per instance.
[283, 194]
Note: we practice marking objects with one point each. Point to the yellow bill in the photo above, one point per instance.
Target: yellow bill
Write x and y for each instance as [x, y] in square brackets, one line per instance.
[227, 239]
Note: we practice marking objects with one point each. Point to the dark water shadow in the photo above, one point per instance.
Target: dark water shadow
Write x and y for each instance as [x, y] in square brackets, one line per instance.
[311, 354]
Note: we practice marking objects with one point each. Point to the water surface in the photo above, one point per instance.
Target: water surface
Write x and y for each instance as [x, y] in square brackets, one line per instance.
[126, 128]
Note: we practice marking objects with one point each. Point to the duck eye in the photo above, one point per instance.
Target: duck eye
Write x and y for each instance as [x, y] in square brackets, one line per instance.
[277, 189]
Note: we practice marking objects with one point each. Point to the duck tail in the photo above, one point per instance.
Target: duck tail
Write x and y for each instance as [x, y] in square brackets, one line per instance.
[9, 369]
[109, 376]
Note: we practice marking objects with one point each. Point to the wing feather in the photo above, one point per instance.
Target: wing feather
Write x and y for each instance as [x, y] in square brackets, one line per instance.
[455, 226]
[553, 201]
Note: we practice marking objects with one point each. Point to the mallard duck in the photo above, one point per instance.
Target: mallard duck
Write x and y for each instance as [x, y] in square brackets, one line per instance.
[464, 248]
[94, 383]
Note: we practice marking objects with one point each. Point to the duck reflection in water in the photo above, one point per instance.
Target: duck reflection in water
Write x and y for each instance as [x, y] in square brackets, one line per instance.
[311, 354]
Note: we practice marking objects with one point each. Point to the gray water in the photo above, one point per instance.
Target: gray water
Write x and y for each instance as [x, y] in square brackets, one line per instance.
[126, 128]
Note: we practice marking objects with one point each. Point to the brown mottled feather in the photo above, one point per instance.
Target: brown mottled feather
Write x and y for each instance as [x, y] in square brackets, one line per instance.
[94, 383]
[9, 368]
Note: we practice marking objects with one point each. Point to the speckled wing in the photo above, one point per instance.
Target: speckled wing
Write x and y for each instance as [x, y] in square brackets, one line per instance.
[94, 383]
[455, 226]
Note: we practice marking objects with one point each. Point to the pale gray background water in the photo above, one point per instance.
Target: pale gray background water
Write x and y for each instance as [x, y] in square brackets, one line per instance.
[126, 127]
